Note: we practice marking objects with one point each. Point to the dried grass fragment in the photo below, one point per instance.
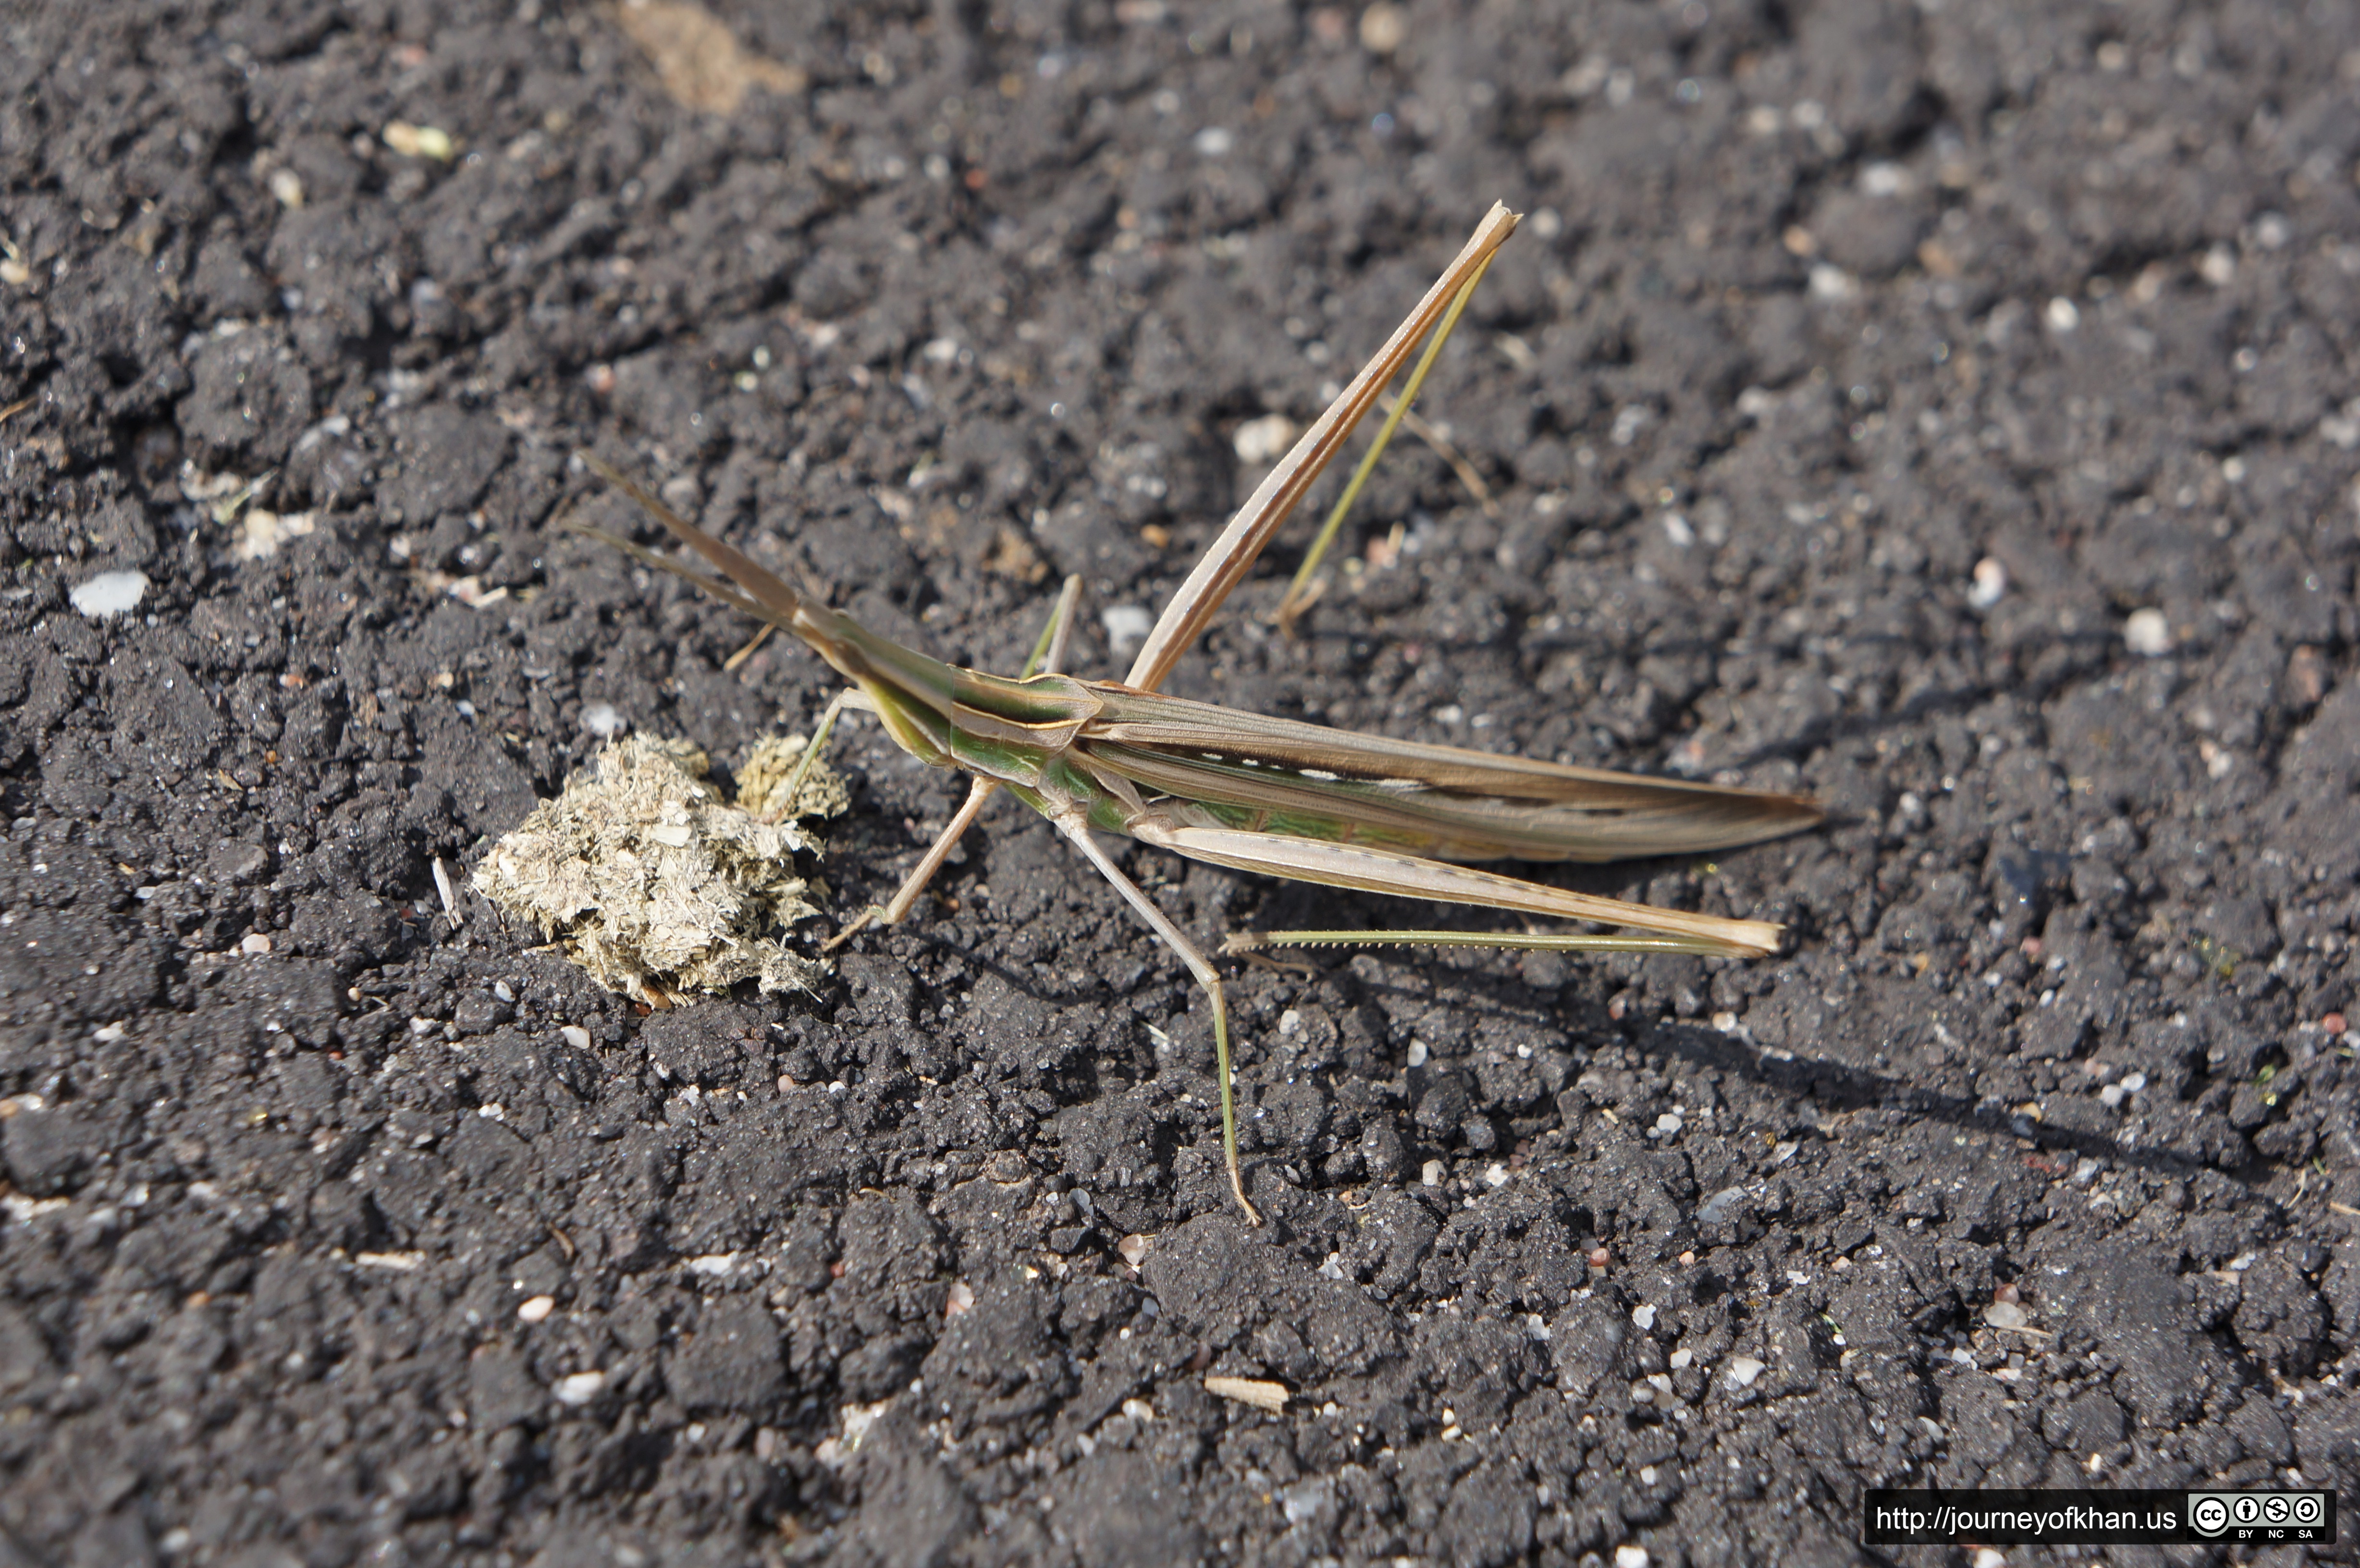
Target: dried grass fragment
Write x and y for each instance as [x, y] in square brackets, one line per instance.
[1254, 1392]
[700, 61]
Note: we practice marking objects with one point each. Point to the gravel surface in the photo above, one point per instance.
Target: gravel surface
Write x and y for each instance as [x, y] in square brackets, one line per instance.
[1944, 410]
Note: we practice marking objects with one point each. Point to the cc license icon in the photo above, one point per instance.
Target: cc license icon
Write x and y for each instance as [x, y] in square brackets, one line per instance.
[2210, 1515]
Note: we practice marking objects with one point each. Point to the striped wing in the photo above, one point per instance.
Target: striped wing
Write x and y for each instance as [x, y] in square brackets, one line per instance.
[1279, 775]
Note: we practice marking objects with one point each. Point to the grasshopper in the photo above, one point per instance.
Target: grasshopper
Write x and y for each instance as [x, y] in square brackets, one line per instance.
[1238, 789]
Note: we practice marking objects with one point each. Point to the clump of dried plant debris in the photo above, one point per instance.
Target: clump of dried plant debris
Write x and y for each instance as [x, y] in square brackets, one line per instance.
[648, 878]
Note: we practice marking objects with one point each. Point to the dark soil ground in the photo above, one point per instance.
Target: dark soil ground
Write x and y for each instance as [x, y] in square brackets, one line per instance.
[1946, 409]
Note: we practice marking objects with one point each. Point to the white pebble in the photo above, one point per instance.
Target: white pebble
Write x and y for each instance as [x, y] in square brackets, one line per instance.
[1644, 1316]
[576, 1036]
[1385, 28]
[1832, 283]
[1631, 1557]
[580, 1388]
[602, 720]
[2147, 634]
[1417, 1053]
[255, 943]
[1263, 441]
[1884, 179]
[1991, 585]
[1215, 141]
[1127, 627]
[1432, 1173]
[110, 593]
[2063, 315]
[2004, 1315]
[1742, 1370]
[536, 1309]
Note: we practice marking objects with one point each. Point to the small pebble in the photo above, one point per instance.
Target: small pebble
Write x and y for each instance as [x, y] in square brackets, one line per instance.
[255, 944]
[1385, 28]
[1644, 1316]
[1720, 1206]
[2147, 634]
[420, 141]
[1742, 1370]
[1631, 1557]
[536, 1309]
[2004, 1315]
[580, 1388]
[1990, 584]
[1127, 627]
[110, 593]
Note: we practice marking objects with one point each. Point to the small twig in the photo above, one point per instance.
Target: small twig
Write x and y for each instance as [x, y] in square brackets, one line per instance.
[443, 889]
[743, 654]
[1425, 430]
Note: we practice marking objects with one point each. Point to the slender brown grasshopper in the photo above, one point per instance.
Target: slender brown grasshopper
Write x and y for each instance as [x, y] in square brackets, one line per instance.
[1260, 794]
